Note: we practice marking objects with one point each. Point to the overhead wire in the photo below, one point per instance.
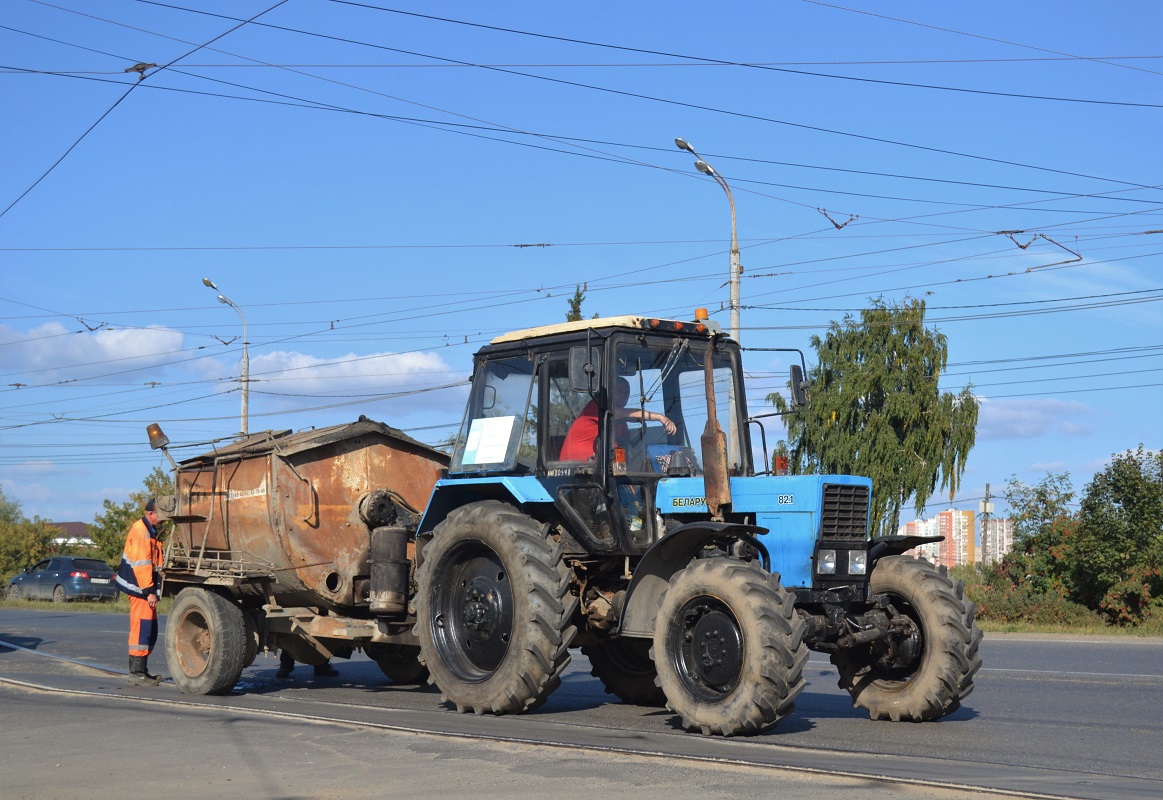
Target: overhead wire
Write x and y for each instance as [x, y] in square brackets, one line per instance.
[667, 101]
[118, 102]
[740, 64]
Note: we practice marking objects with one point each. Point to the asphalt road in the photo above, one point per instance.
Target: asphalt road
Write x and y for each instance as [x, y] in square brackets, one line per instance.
[1076, 717]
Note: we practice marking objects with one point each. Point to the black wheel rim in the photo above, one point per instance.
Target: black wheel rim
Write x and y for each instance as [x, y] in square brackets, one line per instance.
[708, 653]
[472, 611]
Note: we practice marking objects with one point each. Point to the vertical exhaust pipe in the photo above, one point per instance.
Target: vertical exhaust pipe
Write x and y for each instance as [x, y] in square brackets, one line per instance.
[716, 481]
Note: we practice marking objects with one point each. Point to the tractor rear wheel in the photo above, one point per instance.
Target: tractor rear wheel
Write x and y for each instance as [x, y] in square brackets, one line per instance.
[625, 669]
[729, 648]
[400, 662]
[493, 610]
[927, 668]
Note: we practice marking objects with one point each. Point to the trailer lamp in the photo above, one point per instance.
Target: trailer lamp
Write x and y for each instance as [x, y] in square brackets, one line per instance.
[826, 562]
[857, 562]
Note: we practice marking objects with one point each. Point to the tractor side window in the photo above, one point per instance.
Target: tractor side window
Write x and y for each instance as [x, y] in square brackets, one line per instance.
[565, 407]
[500, 428]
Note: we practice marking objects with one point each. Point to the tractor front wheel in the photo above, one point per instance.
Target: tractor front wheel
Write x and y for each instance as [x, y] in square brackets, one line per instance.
[926, 668]
[729, 648]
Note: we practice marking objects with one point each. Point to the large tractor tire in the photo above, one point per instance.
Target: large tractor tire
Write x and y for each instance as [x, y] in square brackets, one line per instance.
[400, 662]
[625, 669]
[493, 610]
[927, 670]
[206, 642]
[729, 648]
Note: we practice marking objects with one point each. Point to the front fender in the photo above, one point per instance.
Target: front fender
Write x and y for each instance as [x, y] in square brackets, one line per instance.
[896, 545]
[666, 557]
[452, 493]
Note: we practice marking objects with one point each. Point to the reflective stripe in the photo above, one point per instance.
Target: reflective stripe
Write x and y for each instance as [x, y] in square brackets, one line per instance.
[146, 562]
[129, 587]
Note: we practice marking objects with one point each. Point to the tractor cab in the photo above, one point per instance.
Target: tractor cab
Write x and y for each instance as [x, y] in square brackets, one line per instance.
[590, 416]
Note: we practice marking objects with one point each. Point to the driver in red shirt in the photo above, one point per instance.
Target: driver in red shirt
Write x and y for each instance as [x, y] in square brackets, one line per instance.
[583, 433]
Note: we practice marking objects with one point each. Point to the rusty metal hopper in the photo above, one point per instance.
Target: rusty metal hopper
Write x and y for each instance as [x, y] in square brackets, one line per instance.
[279, 512]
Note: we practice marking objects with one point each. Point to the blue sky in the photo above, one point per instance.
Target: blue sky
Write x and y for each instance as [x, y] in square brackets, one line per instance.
[382, 191]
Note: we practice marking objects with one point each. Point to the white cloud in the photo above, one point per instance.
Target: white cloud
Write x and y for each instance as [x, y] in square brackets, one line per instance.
[1031, 418]
[289, 379]
[52, 352]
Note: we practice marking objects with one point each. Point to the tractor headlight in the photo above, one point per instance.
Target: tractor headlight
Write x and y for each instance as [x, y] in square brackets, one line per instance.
[826, 562]
[857, 562]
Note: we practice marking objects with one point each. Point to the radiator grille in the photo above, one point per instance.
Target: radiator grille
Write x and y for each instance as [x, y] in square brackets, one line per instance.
[845, 514]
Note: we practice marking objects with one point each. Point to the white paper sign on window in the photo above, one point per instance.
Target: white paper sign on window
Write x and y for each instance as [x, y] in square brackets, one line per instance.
[488, 440]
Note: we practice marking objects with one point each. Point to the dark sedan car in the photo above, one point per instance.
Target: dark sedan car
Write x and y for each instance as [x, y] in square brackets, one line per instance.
[63, 578]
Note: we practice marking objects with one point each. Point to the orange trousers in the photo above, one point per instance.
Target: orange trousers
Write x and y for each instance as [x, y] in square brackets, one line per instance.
[142, 627]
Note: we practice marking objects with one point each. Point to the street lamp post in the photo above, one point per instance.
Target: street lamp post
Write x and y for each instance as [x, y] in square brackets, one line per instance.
[736, 267]
[736, 270]
[245, 355]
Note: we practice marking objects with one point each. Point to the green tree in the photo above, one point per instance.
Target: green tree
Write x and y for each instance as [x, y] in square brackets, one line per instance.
[110, 526]
[876, 410]
[1118, 568]
[1045, 537]
[575, 305]
[1035, 508]
[23, 541]
[9, 509]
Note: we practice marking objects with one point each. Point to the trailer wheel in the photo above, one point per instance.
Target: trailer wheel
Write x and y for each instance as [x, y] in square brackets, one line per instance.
[926, 670]
[400, 662]
[206, 642]
[625, 669]
[493, 610]
[729, 648]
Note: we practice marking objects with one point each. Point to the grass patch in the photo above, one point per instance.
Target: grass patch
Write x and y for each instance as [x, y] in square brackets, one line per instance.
[118, 606]
[1146, 629]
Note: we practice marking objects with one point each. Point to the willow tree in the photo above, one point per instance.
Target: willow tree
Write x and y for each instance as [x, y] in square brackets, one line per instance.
[875, 410]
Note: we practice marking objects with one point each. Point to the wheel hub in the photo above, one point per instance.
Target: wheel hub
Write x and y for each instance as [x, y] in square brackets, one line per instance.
[717, 648]
[481, 609]
[710, 657]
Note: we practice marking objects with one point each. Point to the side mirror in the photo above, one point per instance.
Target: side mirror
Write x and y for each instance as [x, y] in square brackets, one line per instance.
[798, 386]
[585, 369]
[488, 397]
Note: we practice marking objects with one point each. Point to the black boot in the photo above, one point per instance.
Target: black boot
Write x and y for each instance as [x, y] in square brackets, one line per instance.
[139, 674]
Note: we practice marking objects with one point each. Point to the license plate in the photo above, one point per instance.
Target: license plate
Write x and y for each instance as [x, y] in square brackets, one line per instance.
[99, 580]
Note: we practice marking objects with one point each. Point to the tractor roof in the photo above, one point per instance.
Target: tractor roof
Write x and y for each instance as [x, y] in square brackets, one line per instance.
[625, 321]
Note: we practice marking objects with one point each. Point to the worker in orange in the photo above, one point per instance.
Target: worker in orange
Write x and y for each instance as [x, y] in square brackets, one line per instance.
[138, 577]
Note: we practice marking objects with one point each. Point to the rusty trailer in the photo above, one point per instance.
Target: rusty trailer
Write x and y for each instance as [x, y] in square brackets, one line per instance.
[303, 540]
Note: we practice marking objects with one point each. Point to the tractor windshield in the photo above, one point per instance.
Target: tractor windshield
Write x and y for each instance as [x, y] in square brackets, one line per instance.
[667, 384]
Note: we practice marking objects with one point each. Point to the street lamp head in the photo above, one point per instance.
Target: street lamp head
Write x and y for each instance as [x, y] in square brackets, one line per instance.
[224, 300]
[681, 144]
[705, 168]
[210, 283]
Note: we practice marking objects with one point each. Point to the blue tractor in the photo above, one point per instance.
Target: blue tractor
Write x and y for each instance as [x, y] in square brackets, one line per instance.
[602, 494]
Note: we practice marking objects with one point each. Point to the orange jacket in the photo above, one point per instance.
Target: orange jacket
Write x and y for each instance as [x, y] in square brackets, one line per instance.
[137, 575]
